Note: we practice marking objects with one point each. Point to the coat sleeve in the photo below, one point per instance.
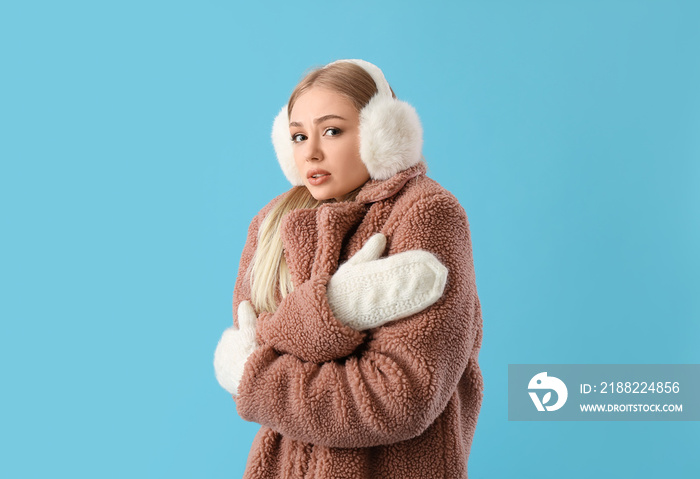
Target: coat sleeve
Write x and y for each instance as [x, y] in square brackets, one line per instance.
[396, 386]
[304, 325]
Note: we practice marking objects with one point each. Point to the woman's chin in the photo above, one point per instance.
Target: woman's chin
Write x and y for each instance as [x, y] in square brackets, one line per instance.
[320, 194]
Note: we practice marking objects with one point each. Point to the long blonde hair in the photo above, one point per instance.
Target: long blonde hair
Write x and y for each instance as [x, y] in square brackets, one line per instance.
[268, 269]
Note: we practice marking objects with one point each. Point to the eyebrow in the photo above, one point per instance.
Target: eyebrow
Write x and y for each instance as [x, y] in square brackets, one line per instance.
[319, 119]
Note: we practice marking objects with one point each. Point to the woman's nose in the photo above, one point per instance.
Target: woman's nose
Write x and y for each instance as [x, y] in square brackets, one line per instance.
[313, 149]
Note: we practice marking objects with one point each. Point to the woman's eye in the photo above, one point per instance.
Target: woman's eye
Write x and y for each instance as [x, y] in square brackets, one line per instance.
[298, 137]
[332, 132]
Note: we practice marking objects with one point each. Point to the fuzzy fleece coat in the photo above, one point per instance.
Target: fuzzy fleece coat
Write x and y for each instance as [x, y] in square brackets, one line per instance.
[398, 401]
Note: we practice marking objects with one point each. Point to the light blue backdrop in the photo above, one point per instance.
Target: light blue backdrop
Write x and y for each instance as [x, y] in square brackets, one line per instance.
[134, 139]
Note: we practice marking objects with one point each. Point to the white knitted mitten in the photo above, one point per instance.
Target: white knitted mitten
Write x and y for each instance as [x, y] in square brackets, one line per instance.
[366, 292]
[234, 348]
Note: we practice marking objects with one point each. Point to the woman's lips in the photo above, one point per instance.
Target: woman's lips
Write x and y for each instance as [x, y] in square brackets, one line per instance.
[318, 180]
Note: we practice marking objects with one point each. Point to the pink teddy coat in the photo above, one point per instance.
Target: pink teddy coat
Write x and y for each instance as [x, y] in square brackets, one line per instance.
[398, 401]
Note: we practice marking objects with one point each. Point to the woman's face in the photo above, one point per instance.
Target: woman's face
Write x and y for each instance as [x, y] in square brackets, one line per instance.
[325, 129]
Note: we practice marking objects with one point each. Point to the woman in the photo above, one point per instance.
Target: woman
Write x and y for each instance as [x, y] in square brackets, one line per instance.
[358, 322]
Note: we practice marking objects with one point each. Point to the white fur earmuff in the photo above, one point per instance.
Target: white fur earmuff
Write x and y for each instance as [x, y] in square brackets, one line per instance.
[391, 135]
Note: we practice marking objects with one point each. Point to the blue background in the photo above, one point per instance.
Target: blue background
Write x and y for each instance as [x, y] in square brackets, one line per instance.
[134, 139]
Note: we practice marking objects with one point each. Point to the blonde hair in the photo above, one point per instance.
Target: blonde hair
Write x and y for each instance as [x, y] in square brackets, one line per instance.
[268, 269]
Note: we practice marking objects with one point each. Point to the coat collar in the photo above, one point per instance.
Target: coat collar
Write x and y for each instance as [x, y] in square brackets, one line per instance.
[312, 237]
[376, 190]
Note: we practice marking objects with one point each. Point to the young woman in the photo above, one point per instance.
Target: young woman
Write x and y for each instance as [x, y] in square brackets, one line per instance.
[358, 327]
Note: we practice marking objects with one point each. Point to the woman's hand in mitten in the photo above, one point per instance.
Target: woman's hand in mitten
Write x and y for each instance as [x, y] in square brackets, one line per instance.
[234, 348]
[366, 292]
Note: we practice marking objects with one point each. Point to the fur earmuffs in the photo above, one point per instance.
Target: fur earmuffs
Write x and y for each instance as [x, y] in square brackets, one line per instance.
[391, 135]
